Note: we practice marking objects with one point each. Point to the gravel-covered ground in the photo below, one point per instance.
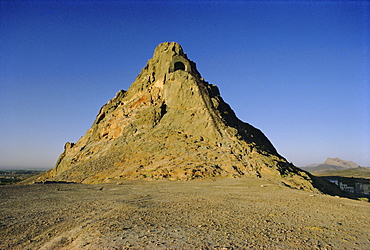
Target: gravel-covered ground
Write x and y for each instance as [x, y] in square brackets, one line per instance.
[222, 214]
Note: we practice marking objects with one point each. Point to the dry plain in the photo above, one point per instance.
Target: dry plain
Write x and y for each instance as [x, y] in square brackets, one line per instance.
[201, 214]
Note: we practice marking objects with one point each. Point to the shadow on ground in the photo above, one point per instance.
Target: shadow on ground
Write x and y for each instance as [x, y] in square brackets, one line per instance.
[323, 184]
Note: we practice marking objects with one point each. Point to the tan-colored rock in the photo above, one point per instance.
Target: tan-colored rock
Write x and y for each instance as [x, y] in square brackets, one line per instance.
[171, 124]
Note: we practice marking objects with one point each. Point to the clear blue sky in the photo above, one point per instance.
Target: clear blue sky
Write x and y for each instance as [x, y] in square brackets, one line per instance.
[297, 70]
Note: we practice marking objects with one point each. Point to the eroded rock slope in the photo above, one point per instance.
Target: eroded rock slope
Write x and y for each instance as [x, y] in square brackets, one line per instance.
[171, 124]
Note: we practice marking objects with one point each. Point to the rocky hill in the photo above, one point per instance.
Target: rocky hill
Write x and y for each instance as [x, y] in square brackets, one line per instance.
[332, 164]
[338, 167]
[340, 163]
[171, 124]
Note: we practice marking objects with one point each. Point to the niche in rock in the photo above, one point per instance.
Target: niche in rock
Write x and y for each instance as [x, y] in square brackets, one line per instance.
[179, 66]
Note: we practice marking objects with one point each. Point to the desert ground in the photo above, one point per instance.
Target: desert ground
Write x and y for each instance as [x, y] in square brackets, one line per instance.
[201, 214]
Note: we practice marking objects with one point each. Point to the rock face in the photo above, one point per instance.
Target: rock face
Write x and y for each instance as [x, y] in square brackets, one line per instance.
[171, 124]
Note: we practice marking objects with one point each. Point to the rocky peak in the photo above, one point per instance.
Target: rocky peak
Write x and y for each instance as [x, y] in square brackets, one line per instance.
[167, 59]
[171, 124]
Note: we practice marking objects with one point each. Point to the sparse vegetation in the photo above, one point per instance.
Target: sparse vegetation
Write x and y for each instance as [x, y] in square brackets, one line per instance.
[8, 177]
[364, 199]
[357, 172]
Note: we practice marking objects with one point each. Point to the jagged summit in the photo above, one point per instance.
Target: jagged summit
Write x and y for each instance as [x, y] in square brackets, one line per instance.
[171, 124]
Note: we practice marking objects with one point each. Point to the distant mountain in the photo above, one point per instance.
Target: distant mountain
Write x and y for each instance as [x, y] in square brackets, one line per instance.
[340, 163]
[331, 164]
[312, 165]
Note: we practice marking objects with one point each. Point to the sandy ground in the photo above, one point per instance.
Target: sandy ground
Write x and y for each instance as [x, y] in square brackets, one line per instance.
[206, 214]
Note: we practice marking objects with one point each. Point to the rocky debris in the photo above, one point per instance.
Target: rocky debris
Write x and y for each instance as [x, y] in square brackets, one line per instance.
[171, 124]
[227, 213]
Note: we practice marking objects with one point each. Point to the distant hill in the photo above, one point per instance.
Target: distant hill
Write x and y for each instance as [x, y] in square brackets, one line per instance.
[338, 167]
[310, 165]
[340, 163]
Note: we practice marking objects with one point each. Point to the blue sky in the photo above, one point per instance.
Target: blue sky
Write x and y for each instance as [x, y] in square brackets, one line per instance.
[297, 70]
